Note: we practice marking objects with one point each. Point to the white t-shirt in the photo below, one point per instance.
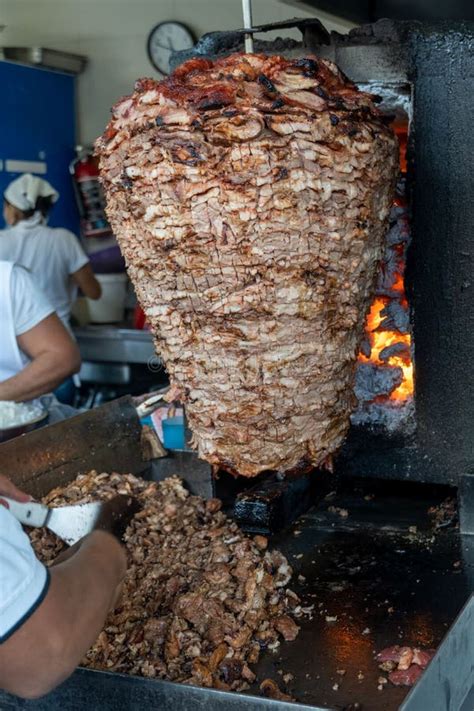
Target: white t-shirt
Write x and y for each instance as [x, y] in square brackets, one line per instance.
[24, 581]
[51, 254]
[29, 305]
[22, 307]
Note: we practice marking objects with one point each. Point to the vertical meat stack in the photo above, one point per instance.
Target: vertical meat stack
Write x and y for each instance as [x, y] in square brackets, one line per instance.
[250, 197]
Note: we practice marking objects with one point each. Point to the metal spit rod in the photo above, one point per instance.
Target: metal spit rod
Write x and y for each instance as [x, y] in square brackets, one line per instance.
[247, 12]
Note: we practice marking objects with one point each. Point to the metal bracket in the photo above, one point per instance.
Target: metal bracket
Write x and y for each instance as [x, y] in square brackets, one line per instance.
[214, 43]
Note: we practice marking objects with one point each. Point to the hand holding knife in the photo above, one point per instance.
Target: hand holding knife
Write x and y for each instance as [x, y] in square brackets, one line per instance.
[70, 523]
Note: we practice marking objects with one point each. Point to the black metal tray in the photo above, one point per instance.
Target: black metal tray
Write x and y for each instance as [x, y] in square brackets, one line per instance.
[385, 584]
[384, 581]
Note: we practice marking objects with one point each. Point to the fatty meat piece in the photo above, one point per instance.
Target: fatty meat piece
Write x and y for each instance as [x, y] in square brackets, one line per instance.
[406, 677]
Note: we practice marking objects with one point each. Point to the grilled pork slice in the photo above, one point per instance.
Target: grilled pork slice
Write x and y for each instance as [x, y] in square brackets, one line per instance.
[250, 197]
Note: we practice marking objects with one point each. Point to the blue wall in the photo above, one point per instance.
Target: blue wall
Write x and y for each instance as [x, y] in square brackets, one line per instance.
[37, 123]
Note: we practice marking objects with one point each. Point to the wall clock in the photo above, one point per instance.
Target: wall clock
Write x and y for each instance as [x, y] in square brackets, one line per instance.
[165, 38]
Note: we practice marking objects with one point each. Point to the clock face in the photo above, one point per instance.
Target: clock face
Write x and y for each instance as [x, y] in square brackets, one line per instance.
[165, 38]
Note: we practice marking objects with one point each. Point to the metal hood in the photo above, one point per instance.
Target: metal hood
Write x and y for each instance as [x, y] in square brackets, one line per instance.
[372, 10]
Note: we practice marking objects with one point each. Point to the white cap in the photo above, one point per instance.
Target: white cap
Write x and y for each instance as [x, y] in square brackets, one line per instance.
[25, 191]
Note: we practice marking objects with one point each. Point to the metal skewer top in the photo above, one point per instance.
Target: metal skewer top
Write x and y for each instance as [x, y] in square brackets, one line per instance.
[247, 12]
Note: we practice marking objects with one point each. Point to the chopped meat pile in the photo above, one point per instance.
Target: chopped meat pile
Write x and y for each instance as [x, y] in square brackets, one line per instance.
[404, 664]
[200, 599]
[250, 198]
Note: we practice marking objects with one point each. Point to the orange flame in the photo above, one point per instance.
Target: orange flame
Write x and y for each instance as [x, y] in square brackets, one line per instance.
[380, 340]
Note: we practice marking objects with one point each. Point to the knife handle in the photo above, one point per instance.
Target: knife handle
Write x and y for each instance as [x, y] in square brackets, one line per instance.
[30, 513]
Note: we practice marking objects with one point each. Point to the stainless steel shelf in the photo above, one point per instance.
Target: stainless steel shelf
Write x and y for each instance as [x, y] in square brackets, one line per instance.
[109, 344]
[43, 57]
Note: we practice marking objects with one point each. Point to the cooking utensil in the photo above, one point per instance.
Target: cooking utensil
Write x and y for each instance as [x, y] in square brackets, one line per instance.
[151, 402]
[70, 523]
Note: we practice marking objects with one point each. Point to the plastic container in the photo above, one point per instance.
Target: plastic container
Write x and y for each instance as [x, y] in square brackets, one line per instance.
[173, 433]
[110, 308]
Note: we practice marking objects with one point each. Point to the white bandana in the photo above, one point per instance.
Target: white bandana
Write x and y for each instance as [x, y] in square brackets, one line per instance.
[25, 191]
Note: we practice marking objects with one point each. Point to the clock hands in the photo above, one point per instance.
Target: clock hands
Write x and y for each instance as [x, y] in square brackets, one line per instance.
[170, 40]
[164, 46]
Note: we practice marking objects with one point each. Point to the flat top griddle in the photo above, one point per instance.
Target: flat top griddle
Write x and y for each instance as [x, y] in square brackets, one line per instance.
[363, 565]
[356, 569]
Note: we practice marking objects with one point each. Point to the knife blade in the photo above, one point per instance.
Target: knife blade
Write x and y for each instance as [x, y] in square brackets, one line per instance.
[70, 523]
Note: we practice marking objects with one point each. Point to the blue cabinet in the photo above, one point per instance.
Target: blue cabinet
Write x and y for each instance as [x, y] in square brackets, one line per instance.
[37, 132]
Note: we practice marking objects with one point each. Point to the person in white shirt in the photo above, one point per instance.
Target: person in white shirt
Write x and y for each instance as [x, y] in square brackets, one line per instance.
[53, 255]
[50, 617]
[36, 351]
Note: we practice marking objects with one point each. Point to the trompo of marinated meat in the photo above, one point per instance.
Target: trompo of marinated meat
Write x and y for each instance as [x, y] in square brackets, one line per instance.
[250, 197]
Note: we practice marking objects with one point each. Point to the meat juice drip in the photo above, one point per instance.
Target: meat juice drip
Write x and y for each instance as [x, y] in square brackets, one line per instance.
[385, 375]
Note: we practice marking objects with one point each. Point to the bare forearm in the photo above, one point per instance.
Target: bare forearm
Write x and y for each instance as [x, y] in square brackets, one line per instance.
[85, 279]
[87, 582]
[40, 376]
[49, 646]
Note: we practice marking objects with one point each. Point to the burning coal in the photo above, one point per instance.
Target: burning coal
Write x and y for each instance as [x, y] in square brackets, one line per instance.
[384, 377]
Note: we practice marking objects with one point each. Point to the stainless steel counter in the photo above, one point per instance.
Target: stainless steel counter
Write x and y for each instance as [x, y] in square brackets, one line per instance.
[111, 344]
